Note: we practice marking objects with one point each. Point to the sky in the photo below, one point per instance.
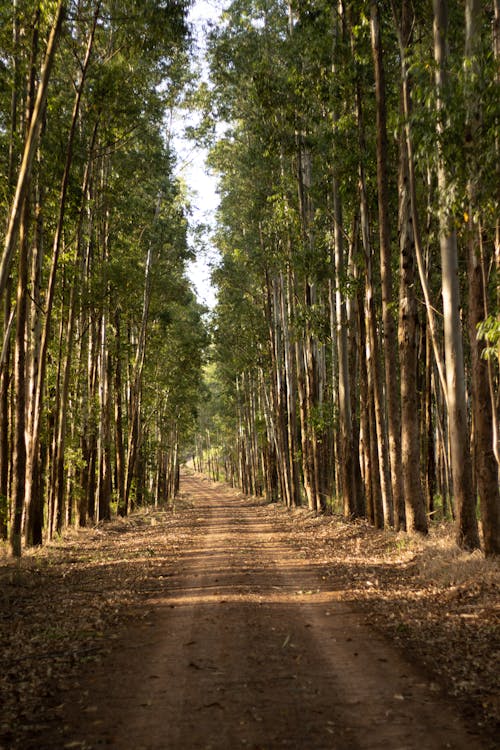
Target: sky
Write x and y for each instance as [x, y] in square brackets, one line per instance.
[202, 186]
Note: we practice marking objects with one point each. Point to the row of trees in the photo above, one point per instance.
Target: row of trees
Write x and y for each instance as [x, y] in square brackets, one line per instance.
[102, 337]
[356, 331]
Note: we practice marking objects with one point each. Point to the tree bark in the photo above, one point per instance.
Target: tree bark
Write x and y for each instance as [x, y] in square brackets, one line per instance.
[486, 466]
[19, 468]
[349, 489]
[37, 394]
[20, 380]
[136, 385]
[467, 531]
[404, 28]
[389, 329]
[416, 517]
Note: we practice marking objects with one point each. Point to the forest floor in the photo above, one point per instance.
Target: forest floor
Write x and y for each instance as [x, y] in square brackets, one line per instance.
[225, 622]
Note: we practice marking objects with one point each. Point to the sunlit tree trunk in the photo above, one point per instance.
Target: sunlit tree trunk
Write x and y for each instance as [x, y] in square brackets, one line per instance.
[20, 359]
[19, 467]
[306, 351]
[37, 392]
[30, 146]
[8, 313]
[467, 532]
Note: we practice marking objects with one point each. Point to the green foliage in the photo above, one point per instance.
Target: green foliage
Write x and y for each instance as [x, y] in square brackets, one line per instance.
[489, 332]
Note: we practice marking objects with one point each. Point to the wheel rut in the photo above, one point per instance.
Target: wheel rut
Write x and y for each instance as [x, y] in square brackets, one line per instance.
[247, 646]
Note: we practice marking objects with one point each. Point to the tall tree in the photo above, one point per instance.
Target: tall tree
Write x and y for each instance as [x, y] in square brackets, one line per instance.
[390, 349]
[467, 531]
[486, 465]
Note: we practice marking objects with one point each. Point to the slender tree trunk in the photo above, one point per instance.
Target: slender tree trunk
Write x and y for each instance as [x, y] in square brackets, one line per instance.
[308, 348]
[347, 457]
[136, 386]
[20, 380]
[403, 19]
[365, 410]
[5, 364]
[389, 332]
[428, 428]
[372, 350]
[374, 374]
[4, 423]
[24, 175]
[486, 465]
[416, 518]
[119, 444]
[467, 532]
[277, 410]
[19, 469]
[287, 316]
[34, 494]
[104, 484]
[36, 400]
[56, 509]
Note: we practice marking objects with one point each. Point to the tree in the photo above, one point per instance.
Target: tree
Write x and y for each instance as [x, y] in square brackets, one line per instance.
[88, 186]
[467, 533]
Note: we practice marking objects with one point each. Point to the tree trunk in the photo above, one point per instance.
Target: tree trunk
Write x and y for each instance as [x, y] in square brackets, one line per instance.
[37, 394]
[136, 385]
[20, 380]
[374, 375]
[416, 518]
[389, 332]
[287, 316]
[486, 467]
[467, 532]
[24, 175]
[404, 28]
[372, 350]
[119, 444]
[5, 448]
[347, 458]
[19, 468]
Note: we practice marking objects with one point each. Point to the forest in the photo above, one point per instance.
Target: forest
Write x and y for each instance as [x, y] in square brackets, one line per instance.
[356, 332]
[351, 361]
[102, 334]
[275, 522]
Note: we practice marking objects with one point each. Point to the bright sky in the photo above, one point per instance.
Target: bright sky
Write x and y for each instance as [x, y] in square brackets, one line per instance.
[192, 169]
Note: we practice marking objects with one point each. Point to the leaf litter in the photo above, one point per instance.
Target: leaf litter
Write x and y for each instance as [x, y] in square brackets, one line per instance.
[65, 604]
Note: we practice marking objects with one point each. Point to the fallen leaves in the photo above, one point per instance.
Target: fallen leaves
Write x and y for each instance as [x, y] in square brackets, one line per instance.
[438, 603]
[62, 605]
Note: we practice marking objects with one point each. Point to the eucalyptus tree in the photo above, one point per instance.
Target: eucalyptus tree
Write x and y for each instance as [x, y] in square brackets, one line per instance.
[311, 175]
[96, 183]
[256, 97]
[269, 55]
[385, 241]
[480, 150]
[453, 341]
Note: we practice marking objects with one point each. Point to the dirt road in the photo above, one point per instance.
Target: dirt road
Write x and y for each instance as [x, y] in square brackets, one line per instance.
[246, 646]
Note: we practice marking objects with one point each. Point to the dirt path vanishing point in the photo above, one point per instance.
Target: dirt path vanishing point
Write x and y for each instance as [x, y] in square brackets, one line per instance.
[247, 647]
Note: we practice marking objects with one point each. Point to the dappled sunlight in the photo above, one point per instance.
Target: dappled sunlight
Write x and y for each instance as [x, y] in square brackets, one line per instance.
[257, 611]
